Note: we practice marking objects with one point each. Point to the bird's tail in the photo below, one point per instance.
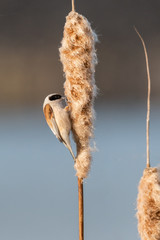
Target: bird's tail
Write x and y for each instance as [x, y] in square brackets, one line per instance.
[70, 149]
[71, 152]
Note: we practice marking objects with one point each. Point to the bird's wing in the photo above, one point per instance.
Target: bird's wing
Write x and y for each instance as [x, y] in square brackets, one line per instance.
[50, 118]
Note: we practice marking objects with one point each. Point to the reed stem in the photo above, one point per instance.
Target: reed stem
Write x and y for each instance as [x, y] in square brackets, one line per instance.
[148, 99]
[73, 6]
[81, 209]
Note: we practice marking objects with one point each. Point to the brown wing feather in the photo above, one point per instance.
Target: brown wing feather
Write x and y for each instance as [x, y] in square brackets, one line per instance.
[50, 118]
[48, 113]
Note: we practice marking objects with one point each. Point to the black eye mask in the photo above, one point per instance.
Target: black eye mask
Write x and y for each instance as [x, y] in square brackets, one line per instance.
[55, 97]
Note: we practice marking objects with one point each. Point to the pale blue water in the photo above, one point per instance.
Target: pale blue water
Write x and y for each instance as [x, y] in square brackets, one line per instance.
[38, 187]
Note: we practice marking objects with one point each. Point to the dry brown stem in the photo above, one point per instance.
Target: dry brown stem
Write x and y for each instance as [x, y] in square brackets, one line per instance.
[148, 99]
[81, 209]
[73, 6]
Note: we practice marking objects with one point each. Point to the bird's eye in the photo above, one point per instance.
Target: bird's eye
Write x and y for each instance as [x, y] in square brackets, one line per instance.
[54, 97]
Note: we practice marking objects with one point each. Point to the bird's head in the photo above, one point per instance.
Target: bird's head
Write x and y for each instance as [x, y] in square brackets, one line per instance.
[53, 99]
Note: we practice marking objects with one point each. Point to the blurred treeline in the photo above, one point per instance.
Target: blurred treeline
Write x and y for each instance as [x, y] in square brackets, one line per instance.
[31, 32]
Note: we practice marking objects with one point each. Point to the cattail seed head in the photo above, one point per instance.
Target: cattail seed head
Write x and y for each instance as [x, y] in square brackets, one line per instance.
[78, 56]
[148, 205]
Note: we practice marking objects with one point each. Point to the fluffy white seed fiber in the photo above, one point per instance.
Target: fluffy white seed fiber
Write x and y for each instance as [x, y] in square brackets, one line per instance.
[148, 205]
[78, 56]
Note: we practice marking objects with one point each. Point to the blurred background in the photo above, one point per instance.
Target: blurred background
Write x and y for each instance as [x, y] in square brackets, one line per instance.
[38, 187]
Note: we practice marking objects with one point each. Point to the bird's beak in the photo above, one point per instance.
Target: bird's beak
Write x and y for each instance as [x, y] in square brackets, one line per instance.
[66, 100]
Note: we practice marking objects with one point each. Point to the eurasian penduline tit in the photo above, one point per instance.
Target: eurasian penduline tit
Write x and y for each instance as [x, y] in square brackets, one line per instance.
[57, 118]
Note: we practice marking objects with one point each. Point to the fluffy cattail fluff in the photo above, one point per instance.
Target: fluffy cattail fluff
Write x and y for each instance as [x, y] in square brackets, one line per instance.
[148, 205]
[78, 56]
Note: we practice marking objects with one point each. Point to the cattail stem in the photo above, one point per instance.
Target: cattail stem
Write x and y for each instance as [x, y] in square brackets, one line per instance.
[148, 99]
[73, 7]
[81, 209]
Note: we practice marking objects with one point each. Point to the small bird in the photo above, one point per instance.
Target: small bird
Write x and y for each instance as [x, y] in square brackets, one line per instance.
[57, 119]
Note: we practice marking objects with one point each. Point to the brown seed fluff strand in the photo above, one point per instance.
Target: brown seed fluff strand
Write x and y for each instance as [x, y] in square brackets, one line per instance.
[148, 205]
[78, 56]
